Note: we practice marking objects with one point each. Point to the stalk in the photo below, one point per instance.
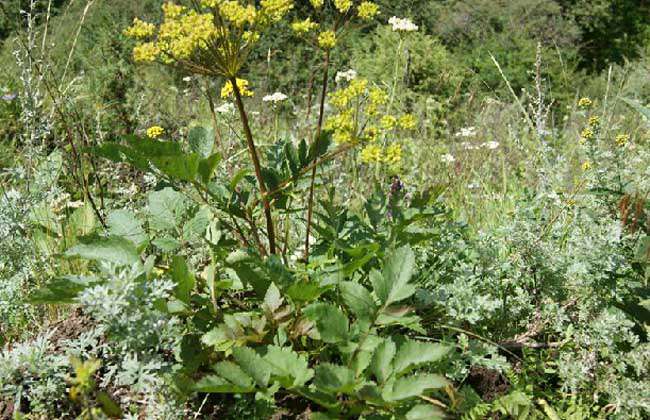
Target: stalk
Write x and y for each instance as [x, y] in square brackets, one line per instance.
[256, 164]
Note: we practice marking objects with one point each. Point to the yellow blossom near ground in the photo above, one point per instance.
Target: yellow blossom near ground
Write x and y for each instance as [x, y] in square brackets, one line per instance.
[594, 121]
[367, 10]
[242, 84]
[327, 40]
[587, 134]
[622, 139]
[343, 5]
[586, 165]
[388, 122]
[393, 154]
[317, 4]
[585, 103]
[372, 153]
[408, 121]
[155, 131]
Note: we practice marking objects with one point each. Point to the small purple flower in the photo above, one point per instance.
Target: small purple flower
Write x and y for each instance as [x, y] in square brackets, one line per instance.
[8, 97]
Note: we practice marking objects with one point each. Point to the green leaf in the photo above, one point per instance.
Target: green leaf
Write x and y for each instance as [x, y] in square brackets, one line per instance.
[381, 365]
[393, 285]
[645, 111]
[62, 289]
[358, 299]
[253, 364]
[412, 386]
[235, 375]
[166, 209]
[331, 322]
[124, 223]
[109, 407]
[291, 369]
[113, 249]
[207, 167]
[425, 412]
[334, 378]
[43, 215]
[304, 291]
[413, 353]
[166, 243]
[83, 221]
[183, 278]
[272, 299]
[201, 140]
[196, 227]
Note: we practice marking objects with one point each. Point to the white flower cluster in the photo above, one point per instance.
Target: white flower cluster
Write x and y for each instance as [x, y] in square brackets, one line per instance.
[448, 158]
[275, 98]
[466, 132]
[346, 76]
[402, 25]
[226, 108]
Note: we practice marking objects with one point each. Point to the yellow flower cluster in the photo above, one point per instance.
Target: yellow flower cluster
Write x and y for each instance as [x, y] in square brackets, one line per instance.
[140, 29]
[327, 40]
[155, 131]
[586, 165]
[303, 26]
[274, 10]
[622, 140]
[343, 5]
[317, 4]
[242, 85]
[586, 134]
[237, 14]
[372, 153]
[585, 103]
[367, 10]
[594, 121]
[408, 122]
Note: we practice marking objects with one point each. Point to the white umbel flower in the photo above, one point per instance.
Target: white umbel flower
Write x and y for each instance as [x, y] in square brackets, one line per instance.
[346, 76]
[491, 145]
[448, 158]
[226, 108]
[275, 98]
[402, 25]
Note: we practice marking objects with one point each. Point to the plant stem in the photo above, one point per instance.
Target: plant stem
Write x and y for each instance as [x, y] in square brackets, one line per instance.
[256, 164]
[319, 126]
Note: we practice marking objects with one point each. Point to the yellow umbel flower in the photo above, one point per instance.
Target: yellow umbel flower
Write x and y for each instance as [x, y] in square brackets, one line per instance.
[327, 40]
[594, 121]
[155, 131]
[140, 29]
[586, 165]
[171, 10]
[237, 14]
[388, 122]
[585, 103]
[303, 26]
[146, 52]
[317, 4]
[367, 10]
[275, 10]
[408, 121]
[393, 155]
[622, 139]
[587, 134]
[242, 85]
[343, 5]
[372, 153]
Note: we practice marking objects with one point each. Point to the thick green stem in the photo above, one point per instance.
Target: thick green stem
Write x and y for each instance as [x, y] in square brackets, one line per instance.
[270, 231]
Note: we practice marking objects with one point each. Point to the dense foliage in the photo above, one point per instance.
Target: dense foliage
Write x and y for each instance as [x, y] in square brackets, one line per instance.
[325, 209]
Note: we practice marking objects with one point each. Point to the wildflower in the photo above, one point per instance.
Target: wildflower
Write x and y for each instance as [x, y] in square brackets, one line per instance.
[584, 103]
[402, 25]
[345, 75]
[237, 14]
[594, 121]
[276, 9]
[491, 145]
[587, 134]
[372, 153]
[146, 52]
[371, 133]
[448, 158]
[586, 165]
[343, 5]
[226, 108]
[407, 122]
[622, 139]
[367, 10]
[393, 155]
[317, 4]
[327, 40]
[155, 131]
[466, 132]
[275, 98]
[388, 122]
[242, 85]
[377, 97]
[187, 79]
[303, 26]
[140, 29]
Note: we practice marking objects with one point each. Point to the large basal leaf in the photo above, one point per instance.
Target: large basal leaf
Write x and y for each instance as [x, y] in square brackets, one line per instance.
[412, 354]
[253, 364]
[334, 378]
[83, 221]
[62, 290]
[393, 284]
[124, 223]
[114, 249]
[331, 322]
[166, 209]
[288, 367]
[412, 386]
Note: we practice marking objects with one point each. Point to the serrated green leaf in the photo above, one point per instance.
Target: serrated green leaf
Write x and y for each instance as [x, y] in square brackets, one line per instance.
[195, 227]
[331, 322]
[113, 249]
[201, 140]
[253, 364]
[207, 167]
[412, 354]
[381, 365]
[425, 412]
[124, 223]
[393, 285]
[166, 209]
[304, 292]
[272, 299]
[183, 279]
[412, 386]
[62, 290]
[334, 378]
[291, 369]
[235, 375]
[167, 243]
[358, 299]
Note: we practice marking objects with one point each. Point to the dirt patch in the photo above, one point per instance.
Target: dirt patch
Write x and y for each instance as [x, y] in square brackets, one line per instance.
[69, 328]
[488, 383]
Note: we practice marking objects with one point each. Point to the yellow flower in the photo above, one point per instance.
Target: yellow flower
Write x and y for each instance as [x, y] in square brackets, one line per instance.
[303, 26]
[236, 13]
[407, 122]
[171, 10]
[388, 122]
[276, 9]
[327, 40]
[242, 85]
[393, 154]
[140, 29]
[622, 139]
[343, 5]
[155, 131]
[317, 4]
[367, 10]
[587, 134]
[371, 133]
[585, 103]
[586, 165]
[594, 121]
[372, 153]
[146, 52]
[342, 136]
